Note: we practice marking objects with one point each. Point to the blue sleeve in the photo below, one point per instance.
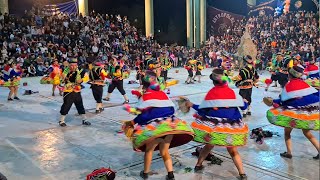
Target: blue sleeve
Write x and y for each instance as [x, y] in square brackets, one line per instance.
[153, 113]
[50, 69]
[303, 101]
[195, 107]
[277, 101]
[14, 73]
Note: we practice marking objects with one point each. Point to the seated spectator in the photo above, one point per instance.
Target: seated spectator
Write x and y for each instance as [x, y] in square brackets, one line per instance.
[31, 71]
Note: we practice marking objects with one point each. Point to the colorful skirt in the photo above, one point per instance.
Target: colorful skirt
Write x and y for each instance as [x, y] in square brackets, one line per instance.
[49, 80]
[11, 83]
[314, 83]
[302, 118]
[220, 131]
[45, 80]
[161, 127]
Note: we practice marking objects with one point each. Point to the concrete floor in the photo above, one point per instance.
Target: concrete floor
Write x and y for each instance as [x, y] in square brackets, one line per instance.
[34, 147]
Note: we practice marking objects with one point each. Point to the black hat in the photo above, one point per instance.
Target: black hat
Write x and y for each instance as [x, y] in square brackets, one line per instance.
[90, 59]
[248, 57]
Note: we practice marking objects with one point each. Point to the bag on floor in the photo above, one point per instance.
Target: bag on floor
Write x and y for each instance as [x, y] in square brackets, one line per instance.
[102, 174]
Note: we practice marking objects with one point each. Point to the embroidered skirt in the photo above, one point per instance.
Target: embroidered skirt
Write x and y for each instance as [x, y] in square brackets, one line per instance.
[300, 118]
[160, 127]
[220, 131]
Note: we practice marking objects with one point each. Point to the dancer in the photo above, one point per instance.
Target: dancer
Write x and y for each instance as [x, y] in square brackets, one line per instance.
[156, 127]
[284, 65]
[226, 65]
[190, 66]
[139, 67]
[312, 70]
[72, 78]
[274, 69]
[219, 122]
[97, 75]
[297, 107]
[198, 68]
[246, 79]
[11, 77]
[55, 74]
[166, 65]
[115, 72]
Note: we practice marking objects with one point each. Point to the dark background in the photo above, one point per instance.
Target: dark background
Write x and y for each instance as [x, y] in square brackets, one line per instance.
[169, 15]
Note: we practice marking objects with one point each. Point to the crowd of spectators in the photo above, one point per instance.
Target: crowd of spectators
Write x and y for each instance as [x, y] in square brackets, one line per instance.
[34, 39]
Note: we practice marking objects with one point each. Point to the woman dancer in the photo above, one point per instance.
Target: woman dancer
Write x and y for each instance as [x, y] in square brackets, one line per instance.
[219, 121]
[55, 74]
[11, 77]
[156, 127]
[297, 107]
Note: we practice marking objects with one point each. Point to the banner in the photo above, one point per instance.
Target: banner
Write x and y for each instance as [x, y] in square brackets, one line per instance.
[264, 8]
[67, 7]
[218, 21]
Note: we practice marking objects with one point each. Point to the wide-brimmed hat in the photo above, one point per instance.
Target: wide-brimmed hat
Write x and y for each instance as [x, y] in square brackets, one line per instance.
[296, 71]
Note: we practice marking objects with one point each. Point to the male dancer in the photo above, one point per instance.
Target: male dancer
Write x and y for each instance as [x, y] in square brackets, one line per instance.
[166, 65]
[97, 75]
[245, 81]
[115, 72]
[73, 77]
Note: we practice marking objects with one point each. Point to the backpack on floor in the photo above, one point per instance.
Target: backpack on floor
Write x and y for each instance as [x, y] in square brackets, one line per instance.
[102, 174]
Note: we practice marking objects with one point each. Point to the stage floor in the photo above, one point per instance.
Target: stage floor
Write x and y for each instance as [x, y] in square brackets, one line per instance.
[34, 147]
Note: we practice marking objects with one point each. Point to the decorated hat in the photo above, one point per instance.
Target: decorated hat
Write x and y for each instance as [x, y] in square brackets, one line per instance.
[148, 54]
[152, 64]
[311, 61]
[99, 63]
[73, 60]
[218, 76]
[153, 97]
[296, 71]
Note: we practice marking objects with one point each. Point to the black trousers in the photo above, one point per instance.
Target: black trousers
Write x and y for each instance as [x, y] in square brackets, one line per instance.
[164, 74]
[69, 99]
[274, 77]
[97, 91]
[246, 94]
[283, 79]
[116, 84]
[190, 73]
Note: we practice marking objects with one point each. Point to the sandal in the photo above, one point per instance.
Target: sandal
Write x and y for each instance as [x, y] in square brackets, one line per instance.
[87, 123]
[144, 175]
[243, 177]
[198, 169]
[316, 157]
[126, 102]
[286, 155]
[106, 99]
[197, 153]
[62, 124]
